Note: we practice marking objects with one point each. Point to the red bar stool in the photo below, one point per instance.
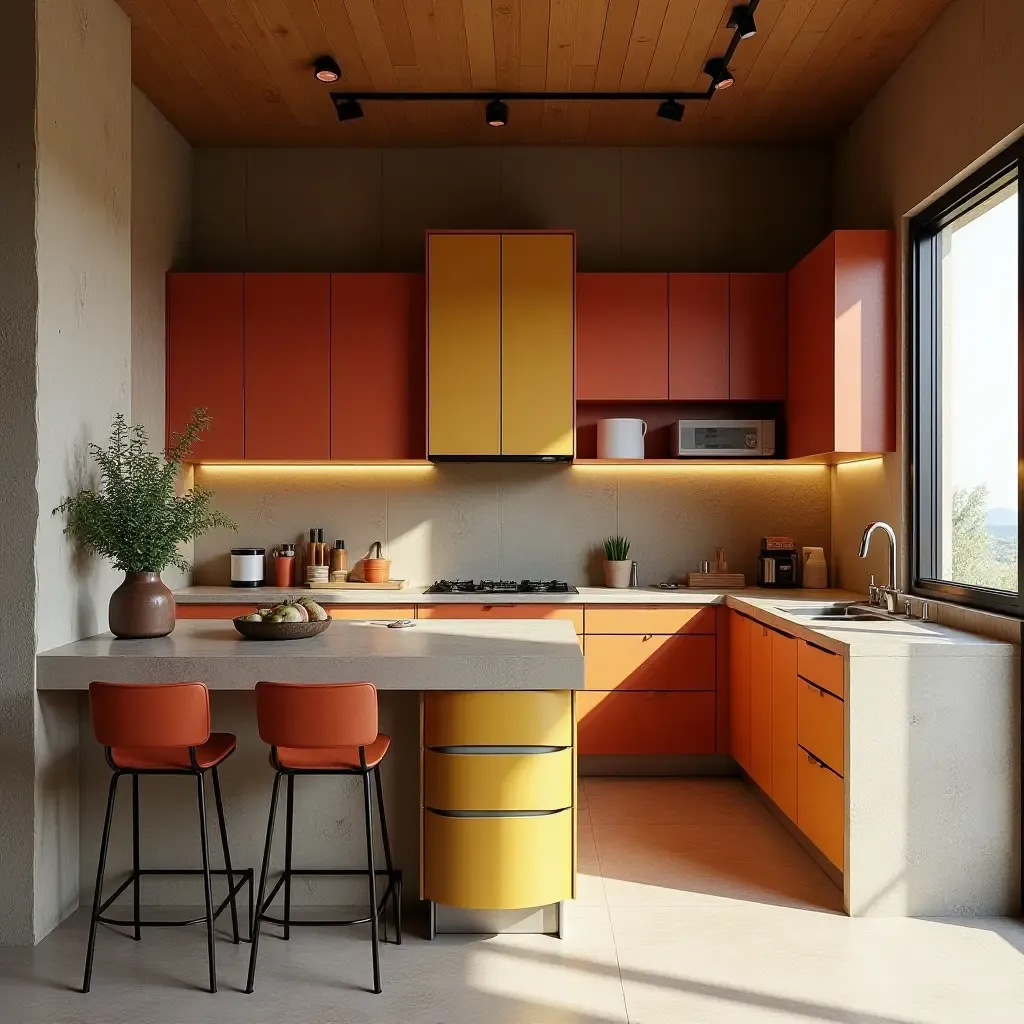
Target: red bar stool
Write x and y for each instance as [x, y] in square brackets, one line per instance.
[324, 729]
[161, 729]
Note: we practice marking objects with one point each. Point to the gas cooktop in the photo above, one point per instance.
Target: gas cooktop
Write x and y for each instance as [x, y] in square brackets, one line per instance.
[501, 587]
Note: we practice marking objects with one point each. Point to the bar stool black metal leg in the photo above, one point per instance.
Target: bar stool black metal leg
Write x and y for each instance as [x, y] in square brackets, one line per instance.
[289, 808]
[100, 871]
[395, 894]
[136, 883]
[373, 882]
[263, 884]
[227, 854]
[207, 884]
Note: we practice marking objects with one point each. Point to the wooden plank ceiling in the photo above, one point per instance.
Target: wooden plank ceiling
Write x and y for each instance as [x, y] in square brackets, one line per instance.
[237, 72]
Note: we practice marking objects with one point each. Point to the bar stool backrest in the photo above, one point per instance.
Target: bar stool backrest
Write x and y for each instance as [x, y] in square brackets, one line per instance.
[150, 714]
[316, 714]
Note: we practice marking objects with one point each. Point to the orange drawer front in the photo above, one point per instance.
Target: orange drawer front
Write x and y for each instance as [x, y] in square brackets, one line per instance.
[821, 806]
[645, 723]
[214, 611]
[649, 662]
[505, 611]
[820, 725]
[655, 619]
[822, 668]
[372, 611]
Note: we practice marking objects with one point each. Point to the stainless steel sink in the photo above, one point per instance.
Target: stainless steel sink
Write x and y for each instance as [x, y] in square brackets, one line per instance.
[835, 613]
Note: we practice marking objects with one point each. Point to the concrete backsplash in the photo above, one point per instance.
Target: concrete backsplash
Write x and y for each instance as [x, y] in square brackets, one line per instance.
[520, 521]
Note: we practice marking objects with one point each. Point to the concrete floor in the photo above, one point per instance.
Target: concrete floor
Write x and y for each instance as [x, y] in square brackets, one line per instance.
[695, 906]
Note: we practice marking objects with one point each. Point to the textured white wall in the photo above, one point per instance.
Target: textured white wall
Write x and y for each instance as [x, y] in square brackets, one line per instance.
[161, 238]
[83, 359]
[521, 521]
[955, 100]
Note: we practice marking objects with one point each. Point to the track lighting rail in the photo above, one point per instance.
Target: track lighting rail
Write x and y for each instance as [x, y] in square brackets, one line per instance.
[348, 103]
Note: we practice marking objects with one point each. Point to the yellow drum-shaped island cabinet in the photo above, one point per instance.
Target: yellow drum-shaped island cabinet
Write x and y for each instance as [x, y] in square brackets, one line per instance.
[498, 807]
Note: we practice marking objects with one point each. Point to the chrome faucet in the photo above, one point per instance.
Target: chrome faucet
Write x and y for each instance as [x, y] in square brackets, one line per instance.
[887, 595]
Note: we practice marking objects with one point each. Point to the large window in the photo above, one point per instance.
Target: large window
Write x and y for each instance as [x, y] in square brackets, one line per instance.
[966, 393]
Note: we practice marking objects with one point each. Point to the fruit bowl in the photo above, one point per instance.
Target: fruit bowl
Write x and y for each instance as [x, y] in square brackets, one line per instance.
[278, 630]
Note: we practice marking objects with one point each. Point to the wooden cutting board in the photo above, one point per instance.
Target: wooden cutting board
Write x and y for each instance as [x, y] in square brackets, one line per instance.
[723, 580]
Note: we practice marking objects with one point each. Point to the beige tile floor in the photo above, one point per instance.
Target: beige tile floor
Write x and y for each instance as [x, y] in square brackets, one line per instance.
[695, 907]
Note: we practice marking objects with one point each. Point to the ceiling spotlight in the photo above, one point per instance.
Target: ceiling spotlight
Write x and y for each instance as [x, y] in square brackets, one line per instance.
[718, 71]
[347, 110]
[326, 69]
[671, 110]
[497, 113]
[742, 19]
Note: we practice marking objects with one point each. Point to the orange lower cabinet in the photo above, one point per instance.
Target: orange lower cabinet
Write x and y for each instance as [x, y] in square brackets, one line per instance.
[657, 620]
[785, 754]
[821, 807]
[761, 706]
[740, 629]
[820, 725]
[823, 668]
[574, 613]
[214, 611]
[645, 723]
[372, 611]
[649, 662]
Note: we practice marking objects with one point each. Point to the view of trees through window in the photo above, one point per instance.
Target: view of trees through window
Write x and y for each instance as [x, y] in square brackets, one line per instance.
[979, 401]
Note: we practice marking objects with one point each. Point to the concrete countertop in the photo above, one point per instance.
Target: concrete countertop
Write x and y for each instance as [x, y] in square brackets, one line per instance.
[455, 654]
[259, 596]
[888, 636]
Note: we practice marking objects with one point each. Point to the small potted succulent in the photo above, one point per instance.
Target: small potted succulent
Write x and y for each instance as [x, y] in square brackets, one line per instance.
[617, 563]
[136, 519]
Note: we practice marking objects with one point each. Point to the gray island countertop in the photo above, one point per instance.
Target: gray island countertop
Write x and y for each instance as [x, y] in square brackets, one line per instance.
[431, 655]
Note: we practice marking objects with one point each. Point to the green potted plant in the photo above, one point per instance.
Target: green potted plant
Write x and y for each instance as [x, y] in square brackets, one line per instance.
[617, 563]
[136, 519]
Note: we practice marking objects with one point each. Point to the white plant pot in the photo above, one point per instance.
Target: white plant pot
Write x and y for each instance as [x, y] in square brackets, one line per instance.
[616, 574]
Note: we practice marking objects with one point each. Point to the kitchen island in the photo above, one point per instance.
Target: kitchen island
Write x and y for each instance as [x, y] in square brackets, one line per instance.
[429, 655]
[487, 788]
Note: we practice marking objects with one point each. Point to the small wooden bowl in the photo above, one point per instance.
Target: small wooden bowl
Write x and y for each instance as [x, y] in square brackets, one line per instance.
[279, 630]
[377, 570]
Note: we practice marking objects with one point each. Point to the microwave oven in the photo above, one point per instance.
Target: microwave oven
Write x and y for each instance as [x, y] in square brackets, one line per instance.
[725, 439]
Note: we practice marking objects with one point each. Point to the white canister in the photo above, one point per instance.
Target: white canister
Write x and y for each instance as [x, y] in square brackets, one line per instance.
[621, 439]
[247, 567]
[815, 571]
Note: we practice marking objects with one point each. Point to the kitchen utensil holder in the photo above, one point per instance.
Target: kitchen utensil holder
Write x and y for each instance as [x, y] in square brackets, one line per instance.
[376, 568]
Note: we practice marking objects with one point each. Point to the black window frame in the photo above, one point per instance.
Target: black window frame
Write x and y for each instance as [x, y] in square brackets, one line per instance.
[922, 392]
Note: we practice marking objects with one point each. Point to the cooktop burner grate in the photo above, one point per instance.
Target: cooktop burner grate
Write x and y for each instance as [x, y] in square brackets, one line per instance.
[501, 587]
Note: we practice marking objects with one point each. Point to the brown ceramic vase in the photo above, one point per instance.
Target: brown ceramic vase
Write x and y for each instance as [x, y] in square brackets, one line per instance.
[141, 607]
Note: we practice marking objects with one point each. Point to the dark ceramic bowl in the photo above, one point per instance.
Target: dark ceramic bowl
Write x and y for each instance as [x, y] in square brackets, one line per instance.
[279, 630]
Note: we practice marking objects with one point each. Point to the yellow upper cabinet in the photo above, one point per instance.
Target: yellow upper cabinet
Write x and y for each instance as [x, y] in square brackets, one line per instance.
[537, 316]
[464, 331]
[501, 343]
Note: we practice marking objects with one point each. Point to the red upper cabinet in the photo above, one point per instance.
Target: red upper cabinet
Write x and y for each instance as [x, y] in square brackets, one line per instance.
[842, 347]
[757, 337]
[621, 337]
[698, 337]
[205, 329]
[288, 366]
[378, 366]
